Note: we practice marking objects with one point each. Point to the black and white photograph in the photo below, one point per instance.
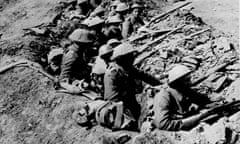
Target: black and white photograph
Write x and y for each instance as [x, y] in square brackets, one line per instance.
[119, 72]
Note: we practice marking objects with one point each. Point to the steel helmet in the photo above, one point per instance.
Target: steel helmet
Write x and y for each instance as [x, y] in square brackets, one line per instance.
[113, 41]
[81, 1]
[54, 53]
[136, 5]
[177, 72]
[121, 7]
[82, 35]
[122, 49]
[98, 10]
[93, 21]
[105, 49]
[114, 19]
[115, 3]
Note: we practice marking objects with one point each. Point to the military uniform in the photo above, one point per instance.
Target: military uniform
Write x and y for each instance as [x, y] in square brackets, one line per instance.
[171, 107]
[130, 25]
[74, 64]
[113, 32]
[119, 85]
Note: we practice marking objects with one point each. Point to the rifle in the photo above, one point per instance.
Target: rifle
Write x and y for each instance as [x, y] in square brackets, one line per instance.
[167, 13]
[156, 41]
[139, 60]
[220, 110]
[213, 70]
[149, 33]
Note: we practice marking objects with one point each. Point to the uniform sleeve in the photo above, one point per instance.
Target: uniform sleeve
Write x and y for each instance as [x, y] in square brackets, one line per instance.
[126, 29]
[141, 22]
[111, 91]
[162, 119]
[67, 64]
[147, 78]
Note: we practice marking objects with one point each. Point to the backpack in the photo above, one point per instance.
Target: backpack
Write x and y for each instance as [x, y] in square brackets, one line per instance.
[111, 115]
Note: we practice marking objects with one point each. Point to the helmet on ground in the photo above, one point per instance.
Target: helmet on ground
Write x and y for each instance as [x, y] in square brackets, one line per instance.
[178, 72]
[121, 7]
[104, 50]
[82, 35]
[114, 19]
[93, 21]
[122, 50]
[136, 5]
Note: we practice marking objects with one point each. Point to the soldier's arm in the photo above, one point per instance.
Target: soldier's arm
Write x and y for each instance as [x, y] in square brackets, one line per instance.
[126, 29]
[162, 119]
[162, 115]
[111, 88]
[147, 78]
[141, 22]
[67, 64]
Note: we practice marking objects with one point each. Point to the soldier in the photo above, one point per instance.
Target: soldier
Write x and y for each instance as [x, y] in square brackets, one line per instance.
[119, 80]
[54, 61]
[113, 28]
[133, 22]
[122, 10]
[74, 63]
[95, 3]
[96, 24]
[99, 11]
[113, 7]
[177, 106]
[102, 62]
[83, 7]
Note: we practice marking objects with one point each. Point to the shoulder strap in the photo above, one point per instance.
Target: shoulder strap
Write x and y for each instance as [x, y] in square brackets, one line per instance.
[98, 115]
[119, 115]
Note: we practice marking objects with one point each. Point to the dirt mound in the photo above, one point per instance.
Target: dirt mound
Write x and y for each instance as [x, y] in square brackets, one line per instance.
[221, 14]
[18, 14]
